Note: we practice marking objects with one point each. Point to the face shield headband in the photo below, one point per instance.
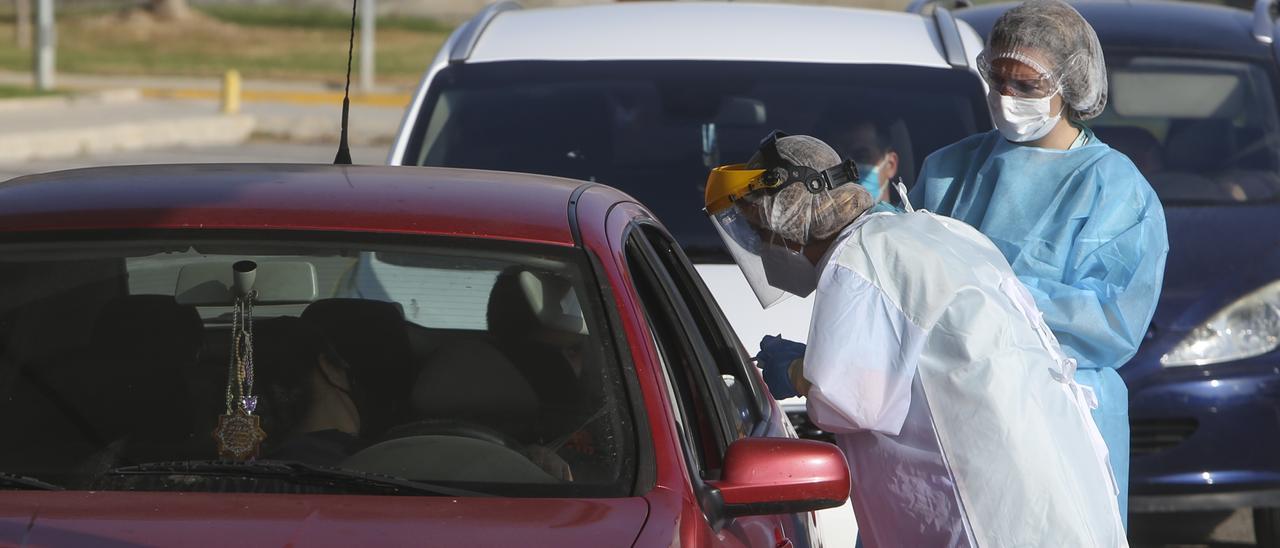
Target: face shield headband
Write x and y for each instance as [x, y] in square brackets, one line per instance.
[780, 173]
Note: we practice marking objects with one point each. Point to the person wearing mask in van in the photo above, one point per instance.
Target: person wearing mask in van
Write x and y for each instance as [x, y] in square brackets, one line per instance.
[866, 141]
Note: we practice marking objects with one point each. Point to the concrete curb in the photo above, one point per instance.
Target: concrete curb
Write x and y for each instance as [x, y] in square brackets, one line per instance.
[395, 100]
[194, 131]
[108, 96]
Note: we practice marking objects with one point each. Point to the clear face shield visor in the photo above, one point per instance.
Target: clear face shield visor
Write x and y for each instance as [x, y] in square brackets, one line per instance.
[749, 250]
[734, 198]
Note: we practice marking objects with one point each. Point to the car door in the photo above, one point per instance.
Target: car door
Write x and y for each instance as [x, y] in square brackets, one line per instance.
[717, 395]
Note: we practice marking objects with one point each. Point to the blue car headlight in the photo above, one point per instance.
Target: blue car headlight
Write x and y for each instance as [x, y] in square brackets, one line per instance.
[1248, 327]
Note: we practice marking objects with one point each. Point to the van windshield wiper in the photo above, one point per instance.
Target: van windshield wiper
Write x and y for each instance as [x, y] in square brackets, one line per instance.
[15, 481]
[298, 472]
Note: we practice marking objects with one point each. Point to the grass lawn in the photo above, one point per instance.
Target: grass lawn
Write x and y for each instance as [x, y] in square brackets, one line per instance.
[260, 42]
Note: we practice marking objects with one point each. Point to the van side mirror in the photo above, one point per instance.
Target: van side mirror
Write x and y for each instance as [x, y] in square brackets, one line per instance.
[782, 476]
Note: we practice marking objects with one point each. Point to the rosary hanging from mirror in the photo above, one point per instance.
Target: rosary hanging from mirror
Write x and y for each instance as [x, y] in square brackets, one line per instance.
[239, 434]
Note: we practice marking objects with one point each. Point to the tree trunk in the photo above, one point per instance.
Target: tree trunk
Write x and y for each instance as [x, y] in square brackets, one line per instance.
[22, 23]
[169, 10]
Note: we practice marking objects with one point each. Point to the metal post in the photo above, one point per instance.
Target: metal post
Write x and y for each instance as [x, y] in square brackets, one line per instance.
[368, 20]
[231, 92]
[46, 44]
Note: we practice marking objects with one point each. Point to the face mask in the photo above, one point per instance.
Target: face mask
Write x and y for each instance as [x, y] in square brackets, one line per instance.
[1020, 119]
[869, 178]
[788, 270]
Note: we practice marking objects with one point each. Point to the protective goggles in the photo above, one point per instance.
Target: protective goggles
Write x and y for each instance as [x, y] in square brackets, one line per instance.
[728, 184]
[1038, 87]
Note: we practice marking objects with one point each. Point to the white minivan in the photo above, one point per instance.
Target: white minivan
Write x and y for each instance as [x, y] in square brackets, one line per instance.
[648, 97]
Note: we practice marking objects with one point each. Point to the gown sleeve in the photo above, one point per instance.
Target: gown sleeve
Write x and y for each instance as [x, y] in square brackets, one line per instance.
[861, 358]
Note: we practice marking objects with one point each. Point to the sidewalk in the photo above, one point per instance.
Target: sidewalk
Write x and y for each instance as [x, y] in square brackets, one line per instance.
[180, 87]
[49, 128]
[104, 114]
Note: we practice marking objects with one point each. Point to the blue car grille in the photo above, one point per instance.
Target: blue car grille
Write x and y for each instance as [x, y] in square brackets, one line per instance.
[1149, 436]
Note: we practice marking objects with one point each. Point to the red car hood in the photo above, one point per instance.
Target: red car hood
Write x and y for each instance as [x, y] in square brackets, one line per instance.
[111, 519]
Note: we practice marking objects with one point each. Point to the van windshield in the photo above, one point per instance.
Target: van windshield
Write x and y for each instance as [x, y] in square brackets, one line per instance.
[655, 128]
[1209, 136]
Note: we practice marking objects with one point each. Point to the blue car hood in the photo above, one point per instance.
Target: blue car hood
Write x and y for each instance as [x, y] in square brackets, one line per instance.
[1216, 255]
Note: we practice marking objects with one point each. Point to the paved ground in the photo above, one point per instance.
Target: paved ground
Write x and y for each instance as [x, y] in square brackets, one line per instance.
[68, 81]
[102, 125]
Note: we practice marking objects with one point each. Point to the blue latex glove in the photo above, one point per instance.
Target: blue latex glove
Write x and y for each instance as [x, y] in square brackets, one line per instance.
[775, 358]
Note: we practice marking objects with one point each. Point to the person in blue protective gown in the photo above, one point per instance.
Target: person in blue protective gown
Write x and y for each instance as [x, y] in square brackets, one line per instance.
[1081, 227]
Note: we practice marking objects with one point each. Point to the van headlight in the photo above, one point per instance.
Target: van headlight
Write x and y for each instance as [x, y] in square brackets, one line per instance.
[1248, 327]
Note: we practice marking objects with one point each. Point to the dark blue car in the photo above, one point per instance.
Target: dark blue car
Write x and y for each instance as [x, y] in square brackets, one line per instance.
[1193, 101]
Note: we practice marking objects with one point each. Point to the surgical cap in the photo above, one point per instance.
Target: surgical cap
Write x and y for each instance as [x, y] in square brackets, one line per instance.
[801, 216]
[1057, 34]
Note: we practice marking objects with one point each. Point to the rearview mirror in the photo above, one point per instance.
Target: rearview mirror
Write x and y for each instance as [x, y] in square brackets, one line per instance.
[277, 282]
[782, 476]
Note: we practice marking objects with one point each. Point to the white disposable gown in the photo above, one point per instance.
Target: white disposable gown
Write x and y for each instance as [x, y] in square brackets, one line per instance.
[954, 404]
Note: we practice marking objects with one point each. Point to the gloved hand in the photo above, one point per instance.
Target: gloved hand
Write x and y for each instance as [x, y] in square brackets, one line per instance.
[775, 359]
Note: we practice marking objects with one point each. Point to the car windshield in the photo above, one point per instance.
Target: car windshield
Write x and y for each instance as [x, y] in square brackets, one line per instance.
[654, 129]
[1203, 131]
[477, 365]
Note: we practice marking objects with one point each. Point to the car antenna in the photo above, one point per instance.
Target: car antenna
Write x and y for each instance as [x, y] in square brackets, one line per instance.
[344, 151]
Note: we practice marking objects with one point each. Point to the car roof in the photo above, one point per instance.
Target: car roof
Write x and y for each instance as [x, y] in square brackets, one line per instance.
[381, 199]
[1154, 26]
[710, 31]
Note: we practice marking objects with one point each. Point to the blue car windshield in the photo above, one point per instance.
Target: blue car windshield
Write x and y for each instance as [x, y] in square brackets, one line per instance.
[654, 129]
[1203, 131]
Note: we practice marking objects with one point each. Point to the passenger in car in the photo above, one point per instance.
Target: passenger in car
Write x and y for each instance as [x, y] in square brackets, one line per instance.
[543, 385]
[307, 408]
[954, 404]
[1076, 219]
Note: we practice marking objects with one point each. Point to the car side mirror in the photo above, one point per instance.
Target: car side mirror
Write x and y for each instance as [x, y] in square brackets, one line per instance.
[782, 476]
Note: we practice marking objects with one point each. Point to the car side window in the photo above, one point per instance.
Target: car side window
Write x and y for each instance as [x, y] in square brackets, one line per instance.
[742, 395]
[701, 425]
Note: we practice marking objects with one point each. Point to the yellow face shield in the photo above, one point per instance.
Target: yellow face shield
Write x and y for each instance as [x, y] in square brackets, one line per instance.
[728, 184]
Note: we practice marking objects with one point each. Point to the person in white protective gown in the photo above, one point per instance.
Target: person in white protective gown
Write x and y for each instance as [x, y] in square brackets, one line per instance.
[953, 402]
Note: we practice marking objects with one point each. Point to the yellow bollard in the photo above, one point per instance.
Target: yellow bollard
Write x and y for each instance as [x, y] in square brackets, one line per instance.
[231, 92]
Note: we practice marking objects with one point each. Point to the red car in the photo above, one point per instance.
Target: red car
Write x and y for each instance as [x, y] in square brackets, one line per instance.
[319, 355]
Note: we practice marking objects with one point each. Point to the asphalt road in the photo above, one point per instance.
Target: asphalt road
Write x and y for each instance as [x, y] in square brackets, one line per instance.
[254, 151]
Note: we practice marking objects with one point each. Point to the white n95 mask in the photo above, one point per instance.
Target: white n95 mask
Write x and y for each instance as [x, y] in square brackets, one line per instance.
[1022, 119]
[788, 270]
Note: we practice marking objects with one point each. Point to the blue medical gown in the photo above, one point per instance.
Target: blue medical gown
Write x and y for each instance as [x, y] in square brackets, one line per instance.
[1084, 232]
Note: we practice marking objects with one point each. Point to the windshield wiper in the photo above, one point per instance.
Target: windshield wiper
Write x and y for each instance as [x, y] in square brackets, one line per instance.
[14, 481]
[298, 472]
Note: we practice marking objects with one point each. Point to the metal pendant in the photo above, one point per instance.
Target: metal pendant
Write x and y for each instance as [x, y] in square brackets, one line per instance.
[239, 435]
